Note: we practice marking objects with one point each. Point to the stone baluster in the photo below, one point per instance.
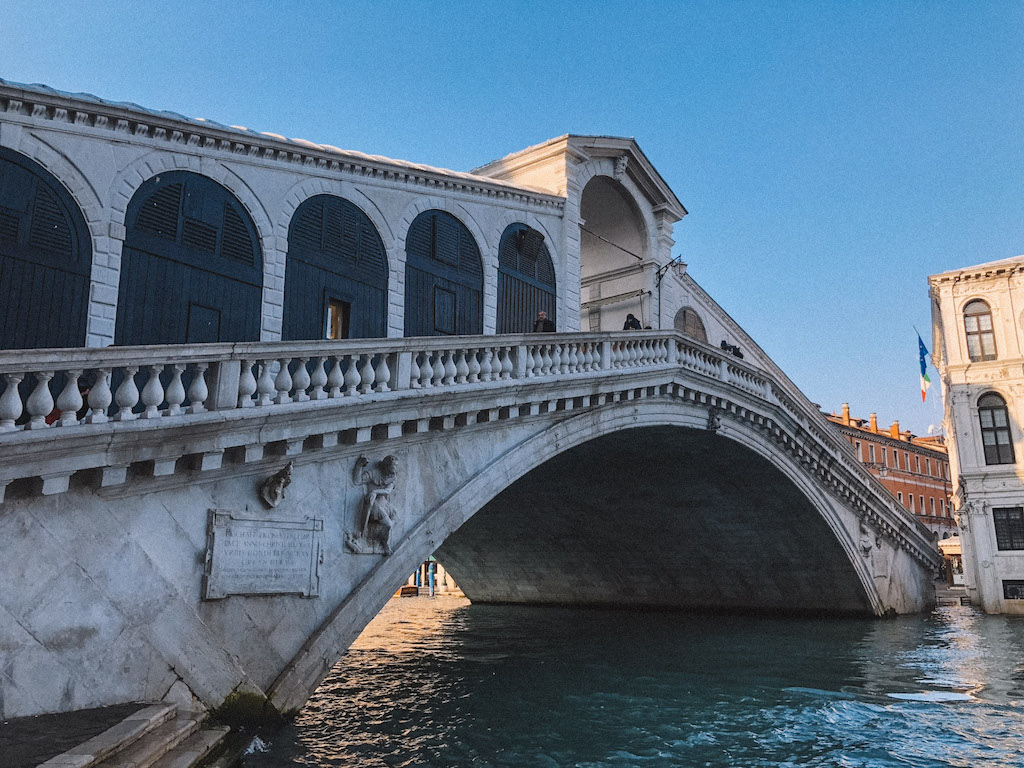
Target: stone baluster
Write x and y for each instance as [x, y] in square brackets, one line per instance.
[506, 363]
[427, 370]
[574, 358]
[10, 402]
[69, 402]
[414, 370]
[461, 367]
[283, 382]
[99, 397]
[127, 395]
[318, 380]
[545, 359]
[474, 366]
[301, 381]
[265, 388]
[175, 394]
[366, 375]
[588, 356]
[336, 378]
[564, 360]
[616, 359]
[197, 390]
[40, 403]
[246, 385]
[450, 371]
[437, 369]
[351, 377]
[531, 360]
[382, 374]
[153, 394]
[486, 355]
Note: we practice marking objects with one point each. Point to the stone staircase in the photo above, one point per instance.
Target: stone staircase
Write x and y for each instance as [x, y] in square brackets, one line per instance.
[157, 736]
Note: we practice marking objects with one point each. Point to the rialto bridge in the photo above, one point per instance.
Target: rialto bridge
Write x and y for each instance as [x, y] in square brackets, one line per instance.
[250, 383]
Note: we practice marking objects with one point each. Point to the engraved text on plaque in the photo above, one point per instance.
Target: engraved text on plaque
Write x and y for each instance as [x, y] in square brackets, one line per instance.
[254, 556]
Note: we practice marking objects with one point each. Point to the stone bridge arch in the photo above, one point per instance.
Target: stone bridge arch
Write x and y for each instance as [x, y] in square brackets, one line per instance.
[474, 492]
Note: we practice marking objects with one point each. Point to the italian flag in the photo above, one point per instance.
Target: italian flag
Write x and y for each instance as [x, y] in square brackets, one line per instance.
[925, 381]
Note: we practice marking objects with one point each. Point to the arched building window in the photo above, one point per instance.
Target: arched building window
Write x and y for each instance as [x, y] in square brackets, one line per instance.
[45, 259]
[688, 323]
[336, 275]
[444, 278]
[526, 279]
[981, 341]
[995, 429]
[191, 269]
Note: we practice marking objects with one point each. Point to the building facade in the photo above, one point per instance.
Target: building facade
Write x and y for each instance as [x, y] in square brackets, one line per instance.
[976, 324]
[914, 469]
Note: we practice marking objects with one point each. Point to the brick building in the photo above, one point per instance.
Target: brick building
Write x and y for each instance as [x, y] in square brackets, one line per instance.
[914, 469]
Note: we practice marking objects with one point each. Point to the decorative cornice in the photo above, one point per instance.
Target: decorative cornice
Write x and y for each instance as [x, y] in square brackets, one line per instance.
[133, 123]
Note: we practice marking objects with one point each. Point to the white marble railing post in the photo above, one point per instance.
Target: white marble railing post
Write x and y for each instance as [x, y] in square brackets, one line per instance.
[70, 402]
[10, 402]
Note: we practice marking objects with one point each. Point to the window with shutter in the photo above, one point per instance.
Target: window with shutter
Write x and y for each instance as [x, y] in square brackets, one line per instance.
[442, 265]
[45, 259]
[335, 257]
[191, 268]
[688, 322]
[526, 279]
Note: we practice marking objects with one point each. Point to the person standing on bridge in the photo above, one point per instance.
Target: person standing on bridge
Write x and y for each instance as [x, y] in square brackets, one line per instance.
[542, 324]
[631, 324]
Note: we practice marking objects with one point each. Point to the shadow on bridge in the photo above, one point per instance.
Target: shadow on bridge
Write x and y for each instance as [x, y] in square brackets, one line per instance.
[655, 517]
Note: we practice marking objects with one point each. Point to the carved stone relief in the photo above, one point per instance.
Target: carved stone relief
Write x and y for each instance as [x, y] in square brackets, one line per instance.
[376, 513]
[714, 419]
[273, 488]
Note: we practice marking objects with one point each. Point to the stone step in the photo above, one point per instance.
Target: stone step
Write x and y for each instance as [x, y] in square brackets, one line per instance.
[114, 740]
[194, 749]
[145, 751]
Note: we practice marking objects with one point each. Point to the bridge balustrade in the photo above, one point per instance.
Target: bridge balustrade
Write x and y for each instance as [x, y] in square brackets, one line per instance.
[121, 384]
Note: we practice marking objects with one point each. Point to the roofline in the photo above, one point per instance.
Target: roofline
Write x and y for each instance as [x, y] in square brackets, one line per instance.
[989, 269]
[43, 102]
[582, 147]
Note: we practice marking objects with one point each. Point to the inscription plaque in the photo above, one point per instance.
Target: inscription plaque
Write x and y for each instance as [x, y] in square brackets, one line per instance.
[254, 556]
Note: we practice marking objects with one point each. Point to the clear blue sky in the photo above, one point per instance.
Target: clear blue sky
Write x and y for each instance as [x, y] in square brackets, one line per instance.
[831, 155]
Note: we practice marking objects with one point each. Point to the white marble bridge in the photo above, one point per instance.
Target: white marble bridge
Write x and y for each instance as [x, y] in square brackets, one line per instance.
[643, 469]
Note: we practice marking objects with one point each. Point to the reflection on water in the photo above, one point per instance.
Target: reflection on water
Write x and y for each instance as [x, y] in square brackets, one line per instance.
[443, 683]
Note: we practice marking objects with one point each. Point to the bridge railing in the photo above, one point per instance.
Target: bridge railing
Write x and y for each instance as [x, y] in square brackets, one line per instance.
[71, 387]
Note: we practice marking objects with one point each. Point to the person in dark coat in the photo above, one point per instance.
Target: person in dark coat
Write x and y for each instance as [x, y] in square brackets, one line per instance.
[542, 324]
[631, 324]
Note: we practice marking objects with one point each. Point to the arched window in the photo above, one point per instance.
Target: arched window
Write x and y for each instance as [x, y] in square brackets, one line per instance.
[444, 278]
[336, 274]
[45, 259]
[526, 279]
[981, 341]
[191, 269]
[995, 429]
[689, 324]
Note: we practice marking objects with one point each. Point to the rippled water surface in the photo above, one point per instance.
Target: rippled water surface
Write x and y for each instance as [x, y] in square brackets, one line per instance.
[440, 682]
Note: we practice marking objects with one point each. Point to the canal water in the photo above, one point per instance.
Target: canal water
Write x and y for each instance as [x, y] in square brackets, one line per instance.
[440, 682]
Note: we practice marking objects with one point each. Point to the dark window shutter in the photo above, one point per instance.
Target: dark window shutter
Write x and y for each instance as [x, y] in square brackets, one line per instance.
[236, 244]
[446, 240]
[9, 225]
[159, 214]
[199, 235]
